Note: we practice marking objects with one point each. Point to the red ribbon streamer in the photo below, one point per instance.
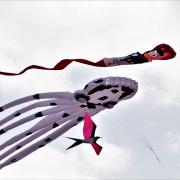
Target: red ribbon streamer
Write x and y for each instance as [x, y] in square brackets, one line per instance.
[59, 66]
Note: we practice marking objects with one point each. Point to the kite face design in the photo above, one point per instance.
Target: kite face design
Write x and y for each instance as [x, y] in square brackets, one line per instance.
[66, 111]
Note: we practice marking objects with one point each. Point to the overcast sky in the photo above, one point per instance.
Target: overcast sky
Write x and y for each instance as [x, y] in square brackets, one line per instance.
[45, 32]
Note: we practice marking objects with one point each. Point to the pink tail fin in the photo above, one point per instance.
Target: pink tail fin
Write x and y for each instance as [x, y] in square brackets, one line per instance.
[97, 148]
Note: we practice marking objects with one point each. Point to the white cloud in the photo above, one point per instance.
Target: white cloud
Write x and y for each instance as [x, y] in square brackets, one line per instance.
[45, 32]
[173, 143]
[113, 161]
[80, 162]
[159, 84]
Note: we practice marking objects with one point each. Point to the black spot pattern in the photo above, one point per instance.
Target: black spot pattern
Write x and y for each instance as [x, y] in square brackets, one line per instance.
[86, 86]
[36, 96]
[13, 160]
[41, 145]
[100, 88]
[2, 131]
[47, 140]
[55, 125]
[83, 105]
[103, 98]
[80, 118]
[53, 104]
[109, 104]
[65, 115]
[114, 91]
[73, 125]
[39, 114]
[29, 133]
[91, 105]
[98, 81]
[18, 147]
[127, 91]
[1, 109]
[17, 114]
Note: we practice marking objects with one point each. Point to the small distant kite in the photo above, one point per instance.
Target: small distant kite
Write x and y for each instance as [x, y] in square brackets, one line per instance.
[65, 111]
[160, 52]
[88, 132]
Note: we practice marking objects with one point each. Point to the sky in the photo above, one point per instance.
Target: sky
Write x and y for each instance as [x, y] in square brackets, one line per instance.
[44, 32]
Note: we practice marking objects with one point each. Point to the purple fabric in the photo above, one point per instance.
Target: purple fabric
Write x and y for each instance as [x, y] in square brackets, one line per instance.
[65, 108]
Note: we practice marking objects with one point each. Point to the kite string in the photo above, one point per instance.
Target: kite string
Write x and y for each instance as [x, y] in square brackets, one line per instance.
[149, 146]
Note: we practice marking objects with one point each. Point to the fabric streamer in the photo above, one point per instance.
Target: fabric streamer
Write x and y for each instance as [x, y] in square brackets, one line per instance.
[160, 52]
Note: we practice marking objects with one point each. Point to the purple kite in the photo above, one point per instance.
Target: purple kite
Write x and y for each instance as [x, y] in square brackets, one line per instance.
[65, 111]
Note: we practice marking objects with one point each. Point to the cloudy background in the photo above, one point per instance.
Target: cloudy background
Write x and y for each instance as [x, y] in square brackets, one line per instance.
[45, 32]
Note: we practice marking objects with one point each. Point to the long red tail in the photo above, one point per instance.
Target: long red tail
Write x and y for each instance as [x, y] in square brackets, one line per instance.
[59, 66]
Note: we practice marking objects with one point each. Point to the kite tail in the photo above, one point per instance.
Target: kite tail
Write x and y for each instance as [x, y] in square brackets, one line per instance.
[59, 66]
[65, 62]
[135, 58]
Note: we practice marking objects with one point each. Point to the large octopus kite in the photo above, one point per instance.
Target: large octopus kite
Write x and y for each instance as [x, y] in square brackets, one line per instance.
[65, 110]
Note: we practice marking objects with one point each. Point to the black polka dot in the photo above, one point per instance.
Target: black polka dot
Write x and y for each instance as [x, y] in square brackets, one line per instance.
[53, 104]
[13, 160]
[125, 88]
[103, 98]
[2, 131]
[91, 105]
[47, 140]
[18, 147]
[65, 115]
[74, 125]
[83, 105]
[55, 125]
[41, 145]
[39, 114]
[127, 91]
[101, 88]
[114, 91]
[109, 104]
[17, 114]
[1, 109]
[80, 118]
[86, 86]
[29, 133]
[98, 81]
[36, 96]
